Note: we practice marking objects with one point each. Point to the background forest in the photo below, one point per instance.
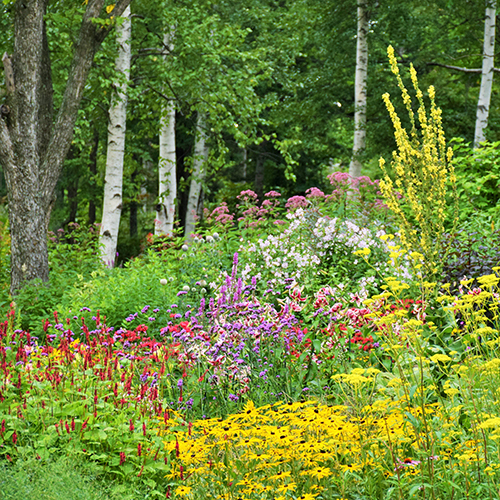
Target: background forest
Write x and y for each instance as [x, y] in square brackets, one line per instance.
[275, 82]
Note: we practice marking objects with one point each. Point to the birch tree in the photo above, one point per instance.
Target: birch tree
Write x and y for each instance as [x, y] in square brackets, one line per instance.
[483, 104]
[33, 145]
[360, 90]
[199, 171]
[113, 199]
[167, 176]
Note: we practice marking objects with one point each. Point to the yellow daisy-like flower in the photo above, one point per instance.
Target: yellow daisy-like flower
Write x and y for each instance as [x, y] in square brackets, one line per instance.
[287, 487]
[307, 496]
[318, 472]
[183, 491]
[280, 475]
[351, 467]
[321, 472]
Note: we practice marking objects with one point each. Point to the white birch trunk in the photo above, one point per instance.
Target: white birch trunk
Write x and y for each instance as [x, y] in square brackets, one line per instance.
[167, 180]
[112, 205]
[483, 103]
[199, 172]
[360, 91]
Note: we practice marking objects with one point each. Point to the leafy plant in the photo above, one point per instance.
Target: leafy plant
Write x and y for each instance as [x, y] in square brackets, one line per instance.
[478, 179]
[470, 255]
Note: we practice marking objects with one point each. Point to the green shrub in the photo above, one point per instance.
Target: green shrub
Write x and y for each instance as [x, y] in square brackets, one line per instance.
[478, 180]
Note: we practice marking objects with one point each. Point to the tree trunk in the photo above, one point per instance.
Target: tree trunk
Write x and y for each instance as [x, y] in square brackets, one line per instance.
[360, 91]
[167, 176]
[199, 172]
[93, 171]
[73, 200]
[483, 103]
[245, 163]
[258, 185]
[113, 182]
[32, 147]
[134, 206]
[145, 198]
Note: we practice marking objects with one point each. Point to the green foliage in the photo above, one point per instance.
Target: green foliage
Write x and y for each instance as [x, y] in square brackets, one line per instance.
[154, 279]
[4, 264]
[73, 257]
[478, 181]
[58, 478]
[471, 254]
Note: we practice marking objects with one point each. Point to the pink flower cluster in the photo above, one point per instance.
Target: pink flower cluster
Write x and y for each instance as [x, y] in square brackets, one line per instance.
[314, 192]
[248, 196]
[221, 216]
[296, 202]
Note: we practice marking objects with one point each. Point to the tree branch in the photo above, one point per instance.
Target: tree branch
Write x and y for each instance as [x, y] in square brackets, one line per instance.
[459, 68]
[163, 96]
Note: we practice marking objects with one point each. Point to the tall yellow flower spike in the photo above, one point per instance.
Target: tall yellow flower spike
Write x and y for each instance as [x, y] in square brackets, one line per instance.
[422, 173]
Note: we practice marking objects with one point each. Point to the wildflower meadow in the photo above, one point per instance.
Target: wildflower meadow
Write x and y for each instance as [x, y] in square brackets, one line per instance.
[332, 345]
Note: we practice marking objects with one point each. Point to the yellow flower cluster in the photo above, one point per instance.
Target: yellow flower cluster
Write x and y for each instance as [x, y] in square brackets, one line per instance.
[422, 167]
[303, 448]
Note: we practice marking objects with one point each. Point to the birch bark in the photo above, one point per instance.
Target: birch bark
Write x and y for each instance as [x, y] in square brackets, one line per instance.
[483, 103]
[167, 176]
[33, 145]
[112, 204]
[199, 172]
[360, 91]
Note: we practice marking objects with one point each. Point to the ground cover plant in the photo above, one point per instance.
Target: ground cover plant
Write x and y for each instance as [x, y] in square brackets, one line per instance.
[313, 348]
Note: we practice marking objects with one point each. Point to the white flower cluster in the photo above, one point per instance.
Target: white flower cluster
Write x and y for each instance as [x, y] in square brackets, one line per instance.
[307, 244]
[282, 256]
[329, 232]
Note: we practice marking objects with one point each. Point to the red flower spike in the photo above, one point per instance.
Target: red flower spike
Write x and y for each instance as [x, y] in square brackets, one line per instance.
[139, 449]
[122, 457]
[144, 428]
[84, 425]
[14, 437]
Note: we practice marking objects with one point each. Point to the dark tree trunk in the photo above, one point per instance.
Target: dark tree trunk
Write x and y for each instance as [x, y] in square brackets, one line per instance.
[72, 188]
[32, 146]
[73, 200]
[259, 177]
[133, 210]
